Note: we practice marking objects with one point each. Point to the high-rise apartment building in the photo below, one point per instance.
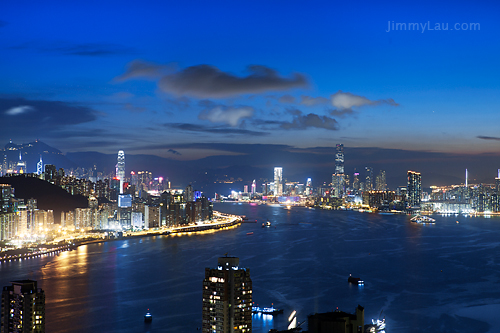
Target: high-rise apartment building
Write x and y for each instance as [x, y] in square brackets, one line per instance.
[278, 181]
[23, 308]
[414, 189]
[227, 298]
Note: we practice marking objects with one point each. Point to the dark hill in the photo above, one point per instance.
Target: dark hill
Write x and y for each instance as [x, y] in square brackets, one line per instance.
[48, 196]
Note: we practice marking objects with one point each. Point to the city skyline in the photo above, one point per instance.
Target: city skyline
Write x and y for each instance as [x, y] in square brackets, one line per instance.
[268, 83]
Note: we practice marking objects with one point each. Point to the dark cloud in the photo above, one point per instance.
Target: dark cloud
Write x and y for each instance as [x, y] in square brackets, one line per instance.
[19, 116]
[205, 81]
[342, 113]
[287, 99]
[313, 101]
[175, 152]
[310, 120]
[87, 50]
[488, 138]
[215, 130]
[143, 69]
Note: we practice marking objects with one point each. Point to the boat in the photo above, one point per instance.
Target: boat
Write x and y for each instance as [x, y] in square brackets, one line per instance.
[267, 224]
[249, 233]
[355, 280]
[148, 317]
[424, 219]
[270, 311]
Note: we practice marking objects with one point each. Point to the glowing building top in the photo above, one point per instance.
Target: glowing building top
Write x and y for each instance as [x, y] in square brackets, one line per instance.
[120, 165]
[278, 181]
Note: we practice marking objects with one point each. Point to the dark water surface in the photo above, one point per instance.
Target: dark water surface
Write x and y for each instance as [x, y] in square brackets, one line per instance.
[425, 278]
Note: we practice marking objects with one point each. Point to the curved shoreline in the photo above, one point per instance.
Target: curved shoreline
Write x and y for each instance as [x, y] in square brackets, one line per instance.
[178, 231]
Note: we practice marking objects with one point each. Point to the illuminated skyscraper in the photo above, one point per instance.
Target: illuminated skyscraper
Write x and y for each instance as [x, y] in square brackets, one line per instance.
[369, 179]
[23, 308]
[338, 178]
[414, 189]
[254, 186]
[339, 159]
[278, 181]
[380, 181]
[227, 298]
[120, 169]
[39, 166]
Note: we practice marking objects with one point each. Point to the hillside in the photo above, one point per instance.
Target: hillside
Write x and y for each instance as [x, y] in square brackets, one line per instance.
[48, 196]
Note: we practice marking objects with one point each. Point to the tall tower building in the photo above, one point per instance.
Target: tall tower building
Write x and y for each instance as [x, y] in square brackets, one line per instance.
[227, 298]
[369, 178]
[120, 169]
[338, 178]
[380, 181]
[414, 189]
[278, 181]
[39, 166]
[339, 159]
[23, 308]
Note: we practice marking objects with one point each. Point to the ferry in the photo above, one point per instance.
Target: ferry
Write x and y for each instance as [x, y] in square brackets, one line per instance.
[267, 224]
[148, 317]
[424, 219]
[270, 311]
[355, 280]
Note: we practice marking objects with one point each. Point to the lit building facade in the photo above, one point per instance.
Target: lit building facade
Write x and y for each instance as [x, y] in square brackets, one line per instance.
[414, 189]
[278, 181]
[227, 298]
[23, 308]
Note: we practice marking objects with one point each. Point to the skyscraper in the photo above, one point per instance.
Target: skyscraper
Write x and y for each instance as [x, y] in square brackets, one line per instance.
[339, 159]
[39, 166]
[369, 178]
[120, 169]
[414, 189]
[23, 308]
[338, 178]
[227, 298]
[278, 181]
[380, 181]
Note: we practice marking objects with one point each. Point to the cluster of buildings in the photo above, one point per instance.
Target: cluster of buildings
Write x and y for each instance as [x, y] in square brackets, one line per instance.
[370, 191]
[121, 203]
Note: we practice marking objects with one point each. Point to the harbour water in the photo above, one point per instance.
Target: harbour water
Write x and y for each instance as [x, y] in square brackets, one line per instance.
[423, 278]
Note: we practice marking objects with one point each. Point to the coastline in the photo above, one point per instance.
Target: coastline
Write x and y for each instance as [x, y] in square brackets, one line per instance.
[24, 253]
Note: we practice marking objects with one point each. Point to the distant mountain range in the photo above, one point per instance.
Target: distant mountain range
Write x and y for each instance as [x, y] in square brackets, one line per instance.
[246, 162]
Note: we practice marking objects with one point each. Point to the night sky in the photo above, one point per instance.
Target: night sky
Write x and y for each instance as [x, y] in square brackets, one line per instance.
[186, 80]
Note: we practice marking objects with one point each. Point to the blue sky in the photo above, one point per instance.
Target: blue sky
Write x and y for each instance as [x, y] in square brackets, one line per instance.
[94, 76]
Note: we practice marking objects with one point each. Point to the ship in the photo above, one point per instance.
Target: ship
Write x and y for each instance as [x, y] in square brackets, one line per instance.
[424, 219]
[148, 317]
[355, 280]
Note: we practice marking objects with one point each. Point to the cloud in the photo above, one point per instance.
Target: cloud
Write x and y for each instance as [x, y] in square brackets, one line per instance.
[40, 118]
[488, 138]
[310, 120]
[342, 113]
[313, 101]
[227, 115]
[205, 81]
[175, 152]
[142, 69]
[215, 130]
[287, 99]
[345, 100]
[17, 110]
[86, 49]
[135, 109]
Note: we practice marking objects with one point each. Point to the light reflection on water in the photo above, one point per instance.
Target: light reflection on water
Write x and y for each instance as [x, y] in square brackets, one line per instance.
[423, 277]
